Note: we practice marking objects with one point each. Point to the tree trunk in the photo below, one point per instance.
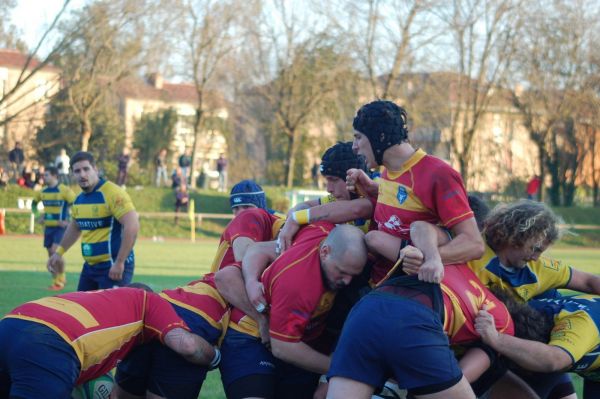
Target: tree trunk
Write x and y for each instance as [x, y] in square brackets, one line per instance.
[541, 160]
[292, 149]
[463, 165]
[595, 195]
[568, 194]
[86, 133]
[197, 130]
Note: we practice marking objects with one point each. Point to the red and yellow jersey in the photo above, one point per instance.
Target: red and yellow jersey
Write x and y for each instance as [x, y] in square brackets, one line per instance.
[576, 330]
[298, 298]
[257, 224]
[201, 298]
[427, 189]
[464, 295]
[103, 326]
[532, 280]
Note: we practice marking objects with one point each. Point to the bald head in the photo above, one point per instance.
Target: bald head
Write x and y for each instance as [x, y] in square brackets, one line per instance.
[347, 246]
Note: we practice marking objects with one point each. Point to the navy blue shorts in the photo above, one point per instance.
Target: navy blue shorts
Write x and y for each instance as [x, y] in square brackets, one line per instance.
[35, 362]
[96, 277]
[391, 336]
[248, 369]
[53, 235]
[160, 370]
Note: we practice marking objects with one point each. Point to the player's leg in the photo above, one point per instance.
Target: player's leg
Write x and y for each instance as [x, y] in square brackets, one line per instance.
[89, 276]
[460, 390]
[342, 388]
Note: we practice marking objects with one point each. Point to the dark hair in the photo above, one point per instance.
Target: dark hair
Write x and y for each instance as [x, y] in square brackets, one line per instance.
[339, 158]
[83, 156]
[52, 170]
[530, 323]
[384, 123]
[480, 209]
[515, 224]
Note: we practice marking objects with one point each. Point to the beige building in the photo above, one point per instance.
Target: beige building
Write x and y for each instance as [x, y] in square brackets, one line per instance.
[23, 110]
[138, 97]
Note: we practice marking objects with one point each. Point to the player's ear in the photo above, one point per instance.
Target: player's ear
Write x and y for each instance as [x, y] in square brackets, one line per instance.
[324, 251]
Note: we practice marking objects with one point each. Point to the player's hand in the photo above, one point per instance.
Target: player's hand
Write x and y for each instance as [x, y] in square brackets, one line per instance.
[486, 327]
[55, 264]
[256, 295]
[115, 272]
[40, 220]
[413, 259]
[286, 235]
[432, 271]
[353, 183]
[63, 223]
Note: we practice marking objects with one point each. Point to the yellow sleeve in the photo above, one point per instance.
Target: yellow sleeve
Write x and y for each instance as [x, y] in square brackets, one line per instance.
[551, 273]
[576, 333]
[119, 201]
[67, 194]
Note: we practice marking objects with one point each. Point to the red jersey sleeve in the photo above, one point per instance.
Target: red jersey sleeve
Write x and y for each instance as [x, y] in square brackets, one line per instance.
[256, 224]
[160, 317]
[450, 200]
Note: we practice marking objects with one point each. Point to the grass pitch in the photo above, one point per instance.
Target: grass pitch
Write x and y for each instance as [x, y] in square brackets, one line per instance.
[165, 264]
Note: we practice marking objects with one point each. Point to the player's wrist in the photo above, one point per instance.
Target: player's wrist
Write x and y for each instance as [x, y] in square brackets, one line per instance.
[60, 250]
[301, 217]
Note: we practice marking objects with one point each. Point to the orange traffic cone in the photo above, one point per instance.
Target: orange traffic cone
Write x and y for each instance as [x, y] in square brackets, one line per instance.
[2, 215]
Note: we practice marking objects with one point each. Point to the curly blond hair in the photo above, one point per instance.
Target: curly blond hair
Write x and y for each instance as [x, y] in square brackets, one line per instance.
[513, 225]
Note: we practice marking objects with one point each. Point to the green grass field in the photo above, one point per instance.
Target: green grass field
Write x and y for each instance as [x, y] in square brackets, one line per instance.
[23, 274]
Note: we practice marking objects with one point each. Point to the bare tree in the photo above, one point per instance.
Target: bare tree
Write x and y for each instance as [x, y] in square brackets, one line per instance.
[555, 65]
[106, 49]
[483, 39]
[207, 36]
[12, 99]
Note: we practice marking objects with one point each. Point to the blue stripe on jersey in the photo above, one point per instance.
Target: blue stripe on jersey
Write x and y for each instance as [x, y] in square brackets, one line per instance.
[95, 249]
[93, 224]
[514, 278]
[57, 202]
[95, 197]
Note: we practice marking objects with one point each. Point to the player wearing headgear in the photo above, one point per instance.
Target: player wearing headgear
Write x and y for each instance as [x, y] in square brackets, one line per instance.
[414, 186]
[57, 198]
[49, 345]
[426, 317]
[160, 370]
[336, 161]
[253, 222]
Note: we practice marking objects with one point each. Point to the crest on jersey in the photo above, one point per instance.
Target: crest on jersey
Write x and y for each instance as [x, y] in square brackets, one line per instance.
[402, 195]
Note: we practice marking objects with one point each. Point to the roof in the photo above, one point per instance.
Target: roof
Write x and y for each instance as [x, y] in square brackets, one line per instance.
[15, 59]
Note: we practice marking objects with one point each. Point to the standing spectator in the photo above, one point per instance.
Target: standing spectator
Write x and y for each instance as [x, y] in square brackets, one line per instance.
[533, 188]
[106, 220]
[185, 160]
[62, 163]
[182, 197]
[123, 160]
[222, 169]
[161, 166]
[3, 177]
[17, 160]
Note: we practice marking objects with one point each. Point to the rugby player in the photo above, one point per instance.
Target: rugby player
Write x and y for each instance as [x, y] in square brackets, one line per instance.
[57, 198]
[552, 335]
[157, 371]
[402, 330]
[300, 286]
[414, 186]
[105, 218]
[50, 345]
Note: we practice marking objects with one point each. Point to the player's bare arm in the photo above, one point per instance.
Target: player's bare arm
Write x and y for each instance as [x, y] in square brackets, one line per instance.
[301, 355]
[531, 355]
[466, 243]
[56, 262]
[257, 258]
[335, 212]
[131, 227]
[584, 282]
[192, 347]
